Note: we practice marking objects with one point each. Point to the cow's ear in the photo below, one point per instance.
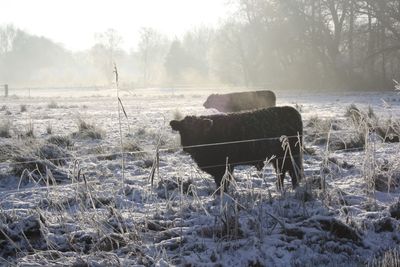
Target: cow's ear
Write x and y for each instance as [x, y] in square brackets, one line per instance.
[207, 124]
[175, 125]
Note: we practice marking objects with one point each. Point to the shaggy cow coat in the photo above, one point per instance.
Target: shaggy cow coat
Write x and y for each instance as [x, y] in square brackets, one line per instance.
[242, 101]
[248, 138]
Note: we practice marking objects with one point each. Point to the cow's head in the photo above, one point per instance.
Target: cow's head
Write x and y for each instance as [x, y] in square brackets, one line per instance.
[175, 125]
[192, 129]
[218, 102]
[210, 102]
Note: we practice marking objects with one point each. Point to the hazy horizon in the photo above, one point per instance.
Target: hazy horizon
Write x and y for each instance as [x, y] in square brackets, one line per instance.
[259, 43]
[74, 24]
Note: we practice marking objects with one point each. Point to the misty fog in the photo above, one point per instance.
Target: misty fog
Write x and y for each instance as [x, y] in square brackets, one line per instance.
[335, 44]
[193, 133]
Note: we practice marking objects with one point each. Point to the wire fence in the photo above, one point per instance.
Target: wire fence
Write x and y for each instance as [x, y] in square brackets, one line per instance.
[163, 149]
[176, 148]
[88, 156]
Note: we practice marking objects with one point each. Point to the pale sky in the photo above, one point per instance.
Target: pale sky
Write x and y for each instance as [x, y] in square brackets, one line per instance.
[75, 22]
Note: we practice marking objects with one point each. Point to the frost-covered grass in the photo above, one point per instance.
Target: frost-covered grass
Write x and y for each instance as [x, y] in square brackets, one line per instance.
[5, 131]
[52, 105]
[23, 108]
[63, 200]
[87, 130]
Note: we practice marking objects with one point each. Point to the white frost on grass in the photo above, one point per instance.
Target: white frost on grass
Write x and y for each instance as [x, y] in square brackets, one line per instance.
[96, 218]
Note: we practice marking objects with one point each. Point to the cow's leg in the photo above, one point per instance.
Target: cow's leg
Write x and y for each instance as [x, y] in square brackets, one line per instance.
[280, 173]
[220, 178]
[227, 176]
[295, 178]
[280, 180]
[259, 165]
[217, 174]
[295, 171]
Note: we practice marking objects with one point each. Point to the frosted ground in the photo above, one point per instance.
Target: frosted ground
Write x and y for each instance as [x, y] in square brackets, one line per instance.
[66, 200]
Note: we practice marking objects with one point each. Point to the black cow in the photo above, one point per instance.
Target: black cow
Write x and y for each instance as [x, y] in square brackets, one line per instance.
[242, 101]
[247, 138]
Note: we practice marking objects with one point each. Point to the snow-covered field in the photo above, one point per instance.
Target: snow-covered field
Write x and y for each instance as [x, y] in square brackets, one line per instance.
[65, 198]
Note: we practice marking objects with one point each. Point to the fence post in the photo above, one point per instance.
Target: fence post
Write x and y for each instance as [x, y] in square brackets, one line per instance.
[6, 90]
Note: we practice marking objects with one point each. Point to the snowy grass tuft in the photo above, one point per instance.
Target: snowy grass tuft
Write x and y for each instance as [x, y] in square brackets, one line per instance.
[52, 105]
[87, 130]
[60, 140]
[5, 129]
[23, 108]
[49, 128]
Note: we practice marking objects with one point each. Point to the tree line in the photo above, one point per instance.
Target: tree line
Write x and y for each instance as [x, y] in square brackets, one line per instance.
[296, 44]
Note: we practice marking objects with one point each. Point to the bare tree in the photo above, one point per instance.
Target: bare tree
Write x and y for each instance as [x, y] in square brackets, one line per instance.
[106, 51]
[7, 36]
[152, 47]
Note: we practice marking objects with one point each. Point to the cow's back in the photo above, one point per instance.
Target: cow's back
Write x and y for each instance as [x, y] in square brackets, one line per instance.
[249, 136]
[270, 122]
[241, 101]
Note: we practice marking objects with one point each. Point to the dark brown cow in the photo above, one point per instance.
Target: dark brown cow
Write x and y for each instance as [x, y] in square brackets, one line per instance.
[242, 101]
[263, 127]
